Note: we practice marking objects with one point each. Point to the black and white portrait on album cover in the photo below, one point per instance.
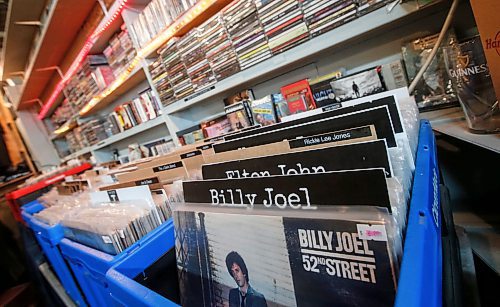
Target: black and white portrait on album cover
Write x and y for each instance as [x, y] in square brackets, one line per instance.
[236, 260]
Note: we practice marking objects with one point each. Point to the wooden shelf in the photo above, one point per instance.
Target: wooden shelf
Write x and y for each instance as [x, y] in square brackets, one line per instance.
[64, 20]
[136, 76]
[18, 39]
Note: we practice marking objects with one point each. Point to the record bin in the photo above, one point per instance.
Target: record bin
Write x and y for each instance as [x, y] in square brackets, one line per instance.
[90, 266]
[22, 196]
[420, 279]
[112, 280]
[48, 238]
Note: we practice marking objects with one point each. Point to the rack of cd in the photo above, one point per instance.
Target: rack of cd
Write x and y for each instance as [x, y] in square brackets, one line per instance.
[175, 115]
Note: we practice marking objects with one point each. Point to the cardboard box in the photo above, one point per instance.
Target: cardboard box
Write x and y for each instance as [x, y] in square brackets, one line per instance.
[488, 24]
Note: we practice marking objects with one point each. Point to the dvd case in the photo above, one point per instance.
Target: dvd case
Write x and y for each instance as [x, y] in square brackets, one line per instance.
[263, 111]
[298, 96]
[358, 85]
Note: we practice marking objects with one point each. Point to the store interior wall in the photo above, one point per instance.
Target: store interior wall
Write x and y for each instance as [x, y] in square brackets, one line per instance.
[36, 137]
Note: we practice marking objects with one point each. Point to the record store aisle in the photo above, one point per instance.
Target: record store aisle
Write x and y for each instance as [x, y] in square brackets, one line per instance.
[249, 152]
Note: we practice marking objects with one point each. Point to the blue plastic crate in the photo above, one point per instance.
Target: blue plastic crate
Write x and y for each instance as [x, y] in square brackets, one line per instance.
[420, 281]
[128, 292]
[48, 238]
[90, 265]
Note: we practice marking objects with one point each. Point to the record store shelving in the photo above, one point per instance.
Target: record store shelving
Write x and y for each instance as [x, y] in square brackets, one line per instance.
[345, 46]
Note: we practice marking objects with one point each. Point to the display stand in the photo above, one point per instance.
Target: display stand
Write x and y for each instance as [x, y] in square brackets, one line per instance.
[107, 279]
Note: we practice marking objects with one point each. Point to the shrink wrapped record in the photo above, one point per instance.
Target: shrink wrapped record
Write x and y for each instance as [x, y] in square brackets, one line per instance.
[290, 259]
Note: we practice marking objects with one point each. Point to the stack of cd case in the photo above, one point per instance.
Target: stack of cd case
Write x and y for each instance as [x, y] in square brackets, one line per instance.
[160, 81]
[218, 47]
[247, 34]
[367, 6]
[324, 15]
[283, 23]
[193, 55]
[176, 71]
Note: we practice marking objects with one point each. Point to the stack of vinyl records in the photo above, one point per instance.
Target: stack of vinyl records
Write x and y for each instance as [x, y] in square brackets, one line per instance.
[193, 55]
[247, 34]
[283, 22]
[218, 47]
[325, 15]
[176, 71]
[161, 83]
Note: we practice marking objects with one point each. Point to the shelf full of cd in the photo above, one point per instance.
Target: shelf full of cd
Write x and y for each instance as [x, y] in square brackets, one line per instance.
[363, 26]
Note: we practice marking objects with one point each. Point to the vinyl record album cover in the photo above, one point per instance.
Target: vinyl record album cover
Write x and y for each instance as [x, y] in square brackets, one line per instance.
[263, 111]
[298, 96]
[358, 85]
[224, 259]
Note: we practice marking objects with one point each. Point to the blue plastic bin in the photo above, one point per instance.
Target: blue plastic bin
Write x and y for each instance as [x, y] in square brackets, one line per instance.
[48, 238]
[128, 292]
[90, 266]
[420, 281]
